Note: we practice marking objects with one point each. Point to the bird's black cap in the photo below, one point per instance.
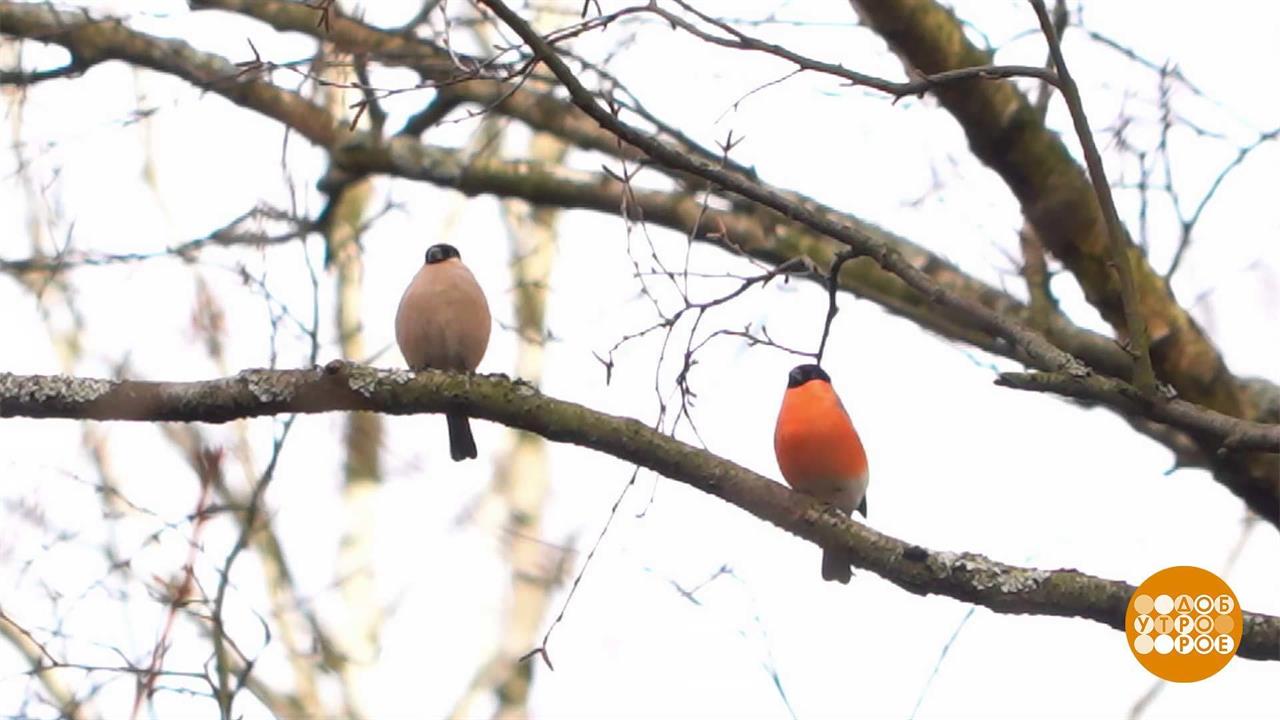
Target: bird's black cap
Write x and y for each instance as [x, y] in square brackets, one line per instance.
[442, 252]
[802, 374]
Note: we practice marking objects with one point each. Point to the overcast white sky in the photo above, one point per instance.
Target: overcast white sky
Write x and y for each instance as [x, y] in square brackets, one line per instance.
[957, 463]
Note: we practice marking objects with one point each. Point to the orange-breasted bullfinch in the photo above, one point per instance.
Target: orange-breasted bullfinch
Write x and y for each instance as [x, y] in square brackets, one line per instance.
[443, 323]
[820, 454]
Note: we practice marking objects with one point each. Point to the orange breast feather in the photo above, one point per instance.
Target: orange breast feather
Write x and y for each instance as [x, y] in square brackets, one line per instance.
[815, 441]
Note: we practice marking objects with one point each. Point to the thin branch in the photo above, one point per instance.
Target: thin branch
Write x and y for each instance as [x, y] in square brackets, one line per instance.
[1144, 376]
[1155, 67]
[738, 40]
[180, 593]
[1188, 224]
[541, 650]
[833, 284]
[22, 78]
[230, 235]
[937, 666]
[224, 661]
[1034, 266]
[44, 667]
[1230, 433]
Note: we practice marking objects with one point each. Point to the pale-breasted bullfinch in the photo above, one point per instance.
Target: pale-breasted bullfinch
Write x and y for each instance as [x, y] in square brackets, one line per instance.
[443, 324]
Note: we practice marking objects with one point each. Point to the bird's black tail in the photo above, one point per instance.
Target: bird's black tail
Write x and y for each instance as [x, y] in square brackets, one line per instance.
[836, 566]
[461, 443]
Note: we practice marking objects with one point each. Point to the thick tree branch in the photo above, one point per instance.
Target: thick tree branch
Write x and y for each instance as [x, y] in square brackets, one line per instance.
[1057, 197]
[1005, 133]
[94, 40]
[341, 386]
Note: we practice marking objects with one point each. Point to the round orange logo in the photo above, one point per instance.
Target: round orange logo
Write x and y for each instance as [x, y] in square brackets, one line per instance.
[1183, 624]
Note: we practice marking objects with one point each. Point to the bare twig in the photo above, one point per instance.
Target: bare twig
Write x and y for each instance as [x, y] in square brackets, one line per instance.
[179, 593]
[738, 40]
[1189, 223]
[232, 234]
[22, 78]
[1229, 432]
[833, 284]
[224, 662]
[44, 666]
[1144, 376]
[541, 650]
